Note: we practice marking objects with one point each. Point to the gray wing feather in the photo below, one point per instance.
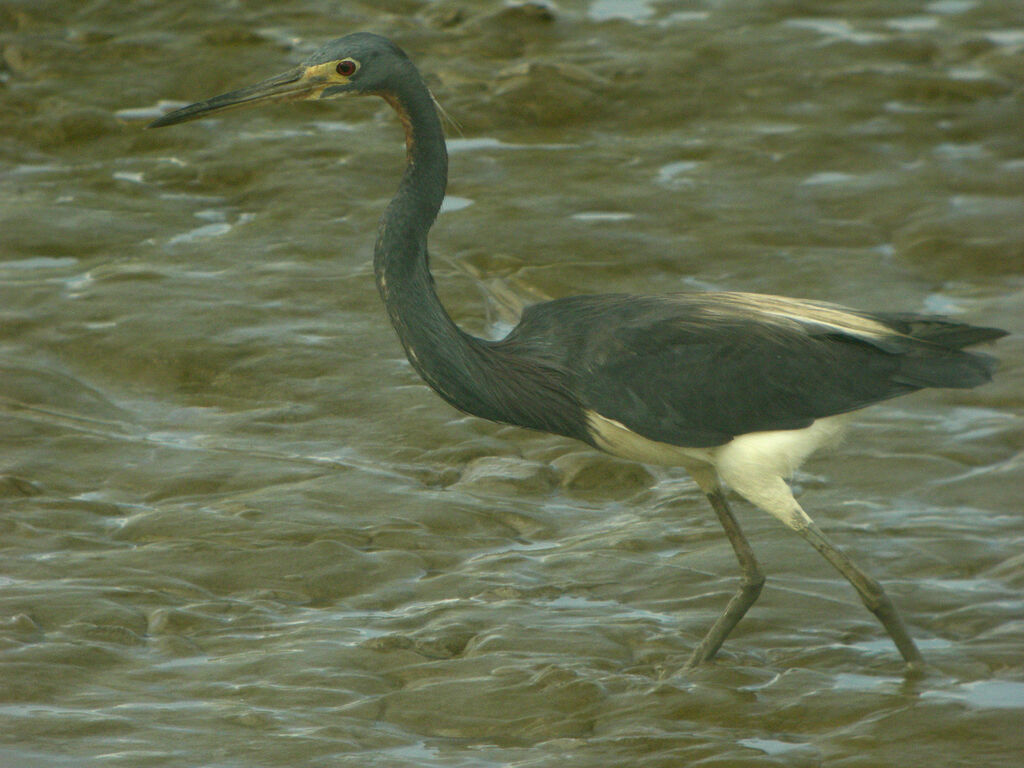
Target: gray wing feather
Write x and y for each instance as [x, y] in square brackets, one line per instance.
[697, 370]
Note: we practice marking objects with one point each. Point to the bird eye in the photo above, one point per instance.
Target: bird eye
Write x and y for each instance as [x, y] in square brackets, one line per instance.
[346, 68]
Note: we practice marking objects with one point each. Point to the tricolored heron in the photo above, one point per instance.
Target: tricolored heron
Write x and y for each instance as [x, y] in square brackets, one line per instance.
[737, 388]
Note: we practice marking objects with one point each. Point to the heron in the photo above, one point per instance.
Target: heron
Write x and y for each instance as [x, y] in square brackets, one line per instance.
[736, 388]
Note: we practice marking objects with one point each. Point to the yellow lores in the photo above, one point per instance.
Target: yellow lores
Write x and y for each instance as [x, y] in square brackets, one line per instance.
[320, 76]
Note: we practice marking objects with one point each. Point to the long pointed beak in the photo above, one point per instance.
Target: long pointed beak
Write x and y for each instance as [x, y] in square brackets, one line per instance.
[293, 85]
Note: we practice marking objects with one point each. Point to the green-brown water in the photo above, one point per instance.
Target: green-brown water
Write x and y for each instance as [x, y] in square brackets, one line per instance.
[235, 528]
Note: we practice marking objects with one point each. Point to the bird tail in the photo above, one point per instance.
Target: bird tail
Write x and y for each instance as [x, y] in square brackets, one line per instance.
[941, 331]
[943, 367]
[937, 360]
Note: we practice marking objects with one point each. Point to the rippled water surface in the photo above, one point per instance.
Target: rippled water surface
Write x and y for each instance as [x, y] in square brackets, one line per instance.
[236, 529]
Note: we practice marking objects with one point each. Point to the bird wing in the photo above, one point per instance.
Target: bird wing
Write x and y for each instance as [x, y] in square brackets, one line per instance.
[697, 370]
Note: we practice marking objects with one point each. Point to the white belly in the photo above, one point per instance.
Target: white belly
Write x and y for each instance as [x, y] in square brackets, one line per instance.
[745, 463]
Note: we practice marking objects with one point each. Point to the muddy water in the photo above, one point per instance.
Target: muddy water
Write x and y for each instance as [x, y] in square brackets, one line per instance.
[238, 531]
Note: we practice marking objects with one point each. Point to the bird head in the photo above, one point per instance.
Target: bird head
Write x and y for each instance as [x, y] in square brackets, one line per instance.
[360, 63]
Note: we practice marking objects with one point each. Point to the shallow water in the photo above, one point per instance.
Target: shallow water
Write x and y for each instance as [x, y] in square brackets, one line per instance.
[238, 531]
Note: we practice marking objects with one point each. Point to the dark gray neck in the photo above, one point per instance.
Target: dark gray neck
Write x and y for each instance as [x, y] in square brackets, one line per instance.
[445, 356]
[472, 374]
[402, 238]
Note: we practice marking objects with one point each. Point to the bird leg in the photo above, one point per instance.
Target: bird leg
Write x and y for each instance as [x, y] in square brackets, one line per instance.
[870, 591]
[750, 585]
